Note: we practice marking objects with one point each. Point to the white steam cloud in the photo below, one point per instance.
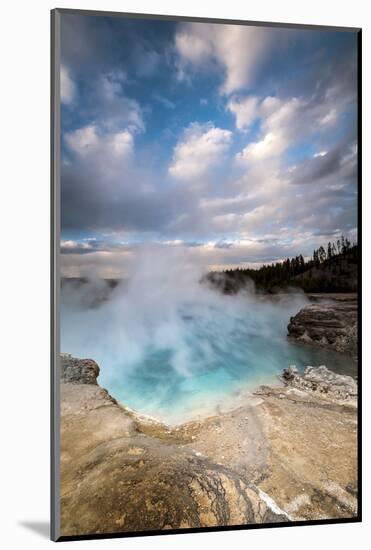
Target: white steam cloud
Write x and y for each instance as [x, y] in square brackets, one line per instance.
[162, 337]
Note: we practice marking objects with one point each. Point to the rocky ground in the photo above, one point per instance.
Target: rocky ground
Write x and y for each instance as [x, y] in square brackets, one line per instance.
[332, 324]
[287, 453]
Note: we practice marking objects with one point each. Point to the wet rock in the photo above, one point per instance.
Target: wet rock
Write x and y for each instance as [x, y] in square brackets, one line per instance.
[323, 381]
[330, 325]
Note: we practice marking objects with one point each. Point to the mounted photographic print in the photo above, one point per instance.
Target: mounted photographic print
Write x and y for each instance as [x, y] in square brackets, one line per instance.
[205, 274]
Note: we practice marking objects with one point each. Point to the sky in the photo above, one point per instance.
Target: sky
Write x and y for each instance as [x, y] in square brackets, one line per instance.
[234, 145]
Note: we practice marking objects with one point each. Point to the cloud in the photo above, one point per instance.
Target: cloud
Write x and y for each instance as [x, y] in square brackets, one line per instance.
[338, 166]
[280, 121]
[192, 46]
[86, 142]
[104, 101]
[271, 145]
[237, 49]
[106, 186]
[68, 87]
[108, 104]
[274, 103]
[76, 247]
[245, 111]
[201, 148]
[284, 122]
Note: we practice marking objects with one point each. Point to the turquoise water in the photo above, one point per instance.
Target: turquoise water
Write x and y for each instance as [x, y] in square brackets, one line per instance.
[223, 364]
[177, 355]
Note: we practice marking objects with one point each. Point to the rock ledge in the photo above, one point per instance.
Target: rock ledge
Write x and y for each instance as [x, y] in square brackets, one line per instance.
[322, 381]
[78, 371]
[119, 474]
[330, 325]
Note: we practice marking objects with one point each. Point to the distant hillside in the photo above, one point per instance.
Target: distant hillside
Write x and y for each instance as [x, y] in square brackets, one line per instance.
[334, 269]
[338, 274]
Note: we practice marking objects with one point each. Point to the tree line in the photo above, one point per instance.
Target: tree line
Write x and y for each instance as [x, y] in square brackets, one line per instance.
[326, 270]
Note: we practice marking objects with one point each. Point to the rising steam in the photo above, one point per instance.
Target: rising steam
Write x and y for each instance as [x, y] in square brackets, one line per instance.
[166, 342]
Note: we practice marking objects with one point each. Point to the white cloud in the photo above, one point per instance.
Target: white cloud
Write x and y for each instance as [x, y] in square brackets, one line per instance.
[237, 48]
[283, 116]
[283, 122]
[69, 244]
[329, 118]
[270, 146]
[245, 110]
[192, 46]
[82, 141]
[240, 48]
[87, 141]
[73, 245]
[201, 148]
[100, 161]
[68, 87]
[113, 109]
[216, 204]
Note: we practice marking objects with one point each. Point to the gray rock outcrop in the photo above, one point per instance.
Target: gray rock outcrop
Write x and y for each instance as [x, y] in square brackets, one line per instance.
[321, 380]
[78, 371]
[331, 325]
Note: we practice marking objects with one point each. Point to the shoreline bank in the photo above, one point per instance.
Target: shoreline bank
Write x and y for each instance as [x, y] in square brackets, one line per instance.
[294, 446]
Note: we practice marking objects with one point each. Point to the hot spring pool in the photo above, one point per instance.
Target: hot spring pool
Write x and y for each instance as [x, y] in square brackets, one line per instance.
[154, 388]
[174, 356]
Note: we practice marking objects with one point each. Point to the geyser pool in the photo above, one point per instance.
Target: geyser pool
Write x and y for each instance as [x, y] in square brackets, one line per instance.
[176, 351]
[222, 364]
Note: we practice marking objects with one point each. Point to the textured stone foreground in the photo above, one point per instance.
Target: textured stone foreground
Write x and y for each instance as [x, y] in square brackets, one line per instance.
[332, 325]
[288, 453]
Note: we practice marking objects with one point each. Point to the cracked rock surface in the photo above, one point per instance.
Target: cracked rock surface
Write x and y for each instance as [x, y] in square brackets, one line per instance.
[332, 325]
[287, 453]
[118, 475]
